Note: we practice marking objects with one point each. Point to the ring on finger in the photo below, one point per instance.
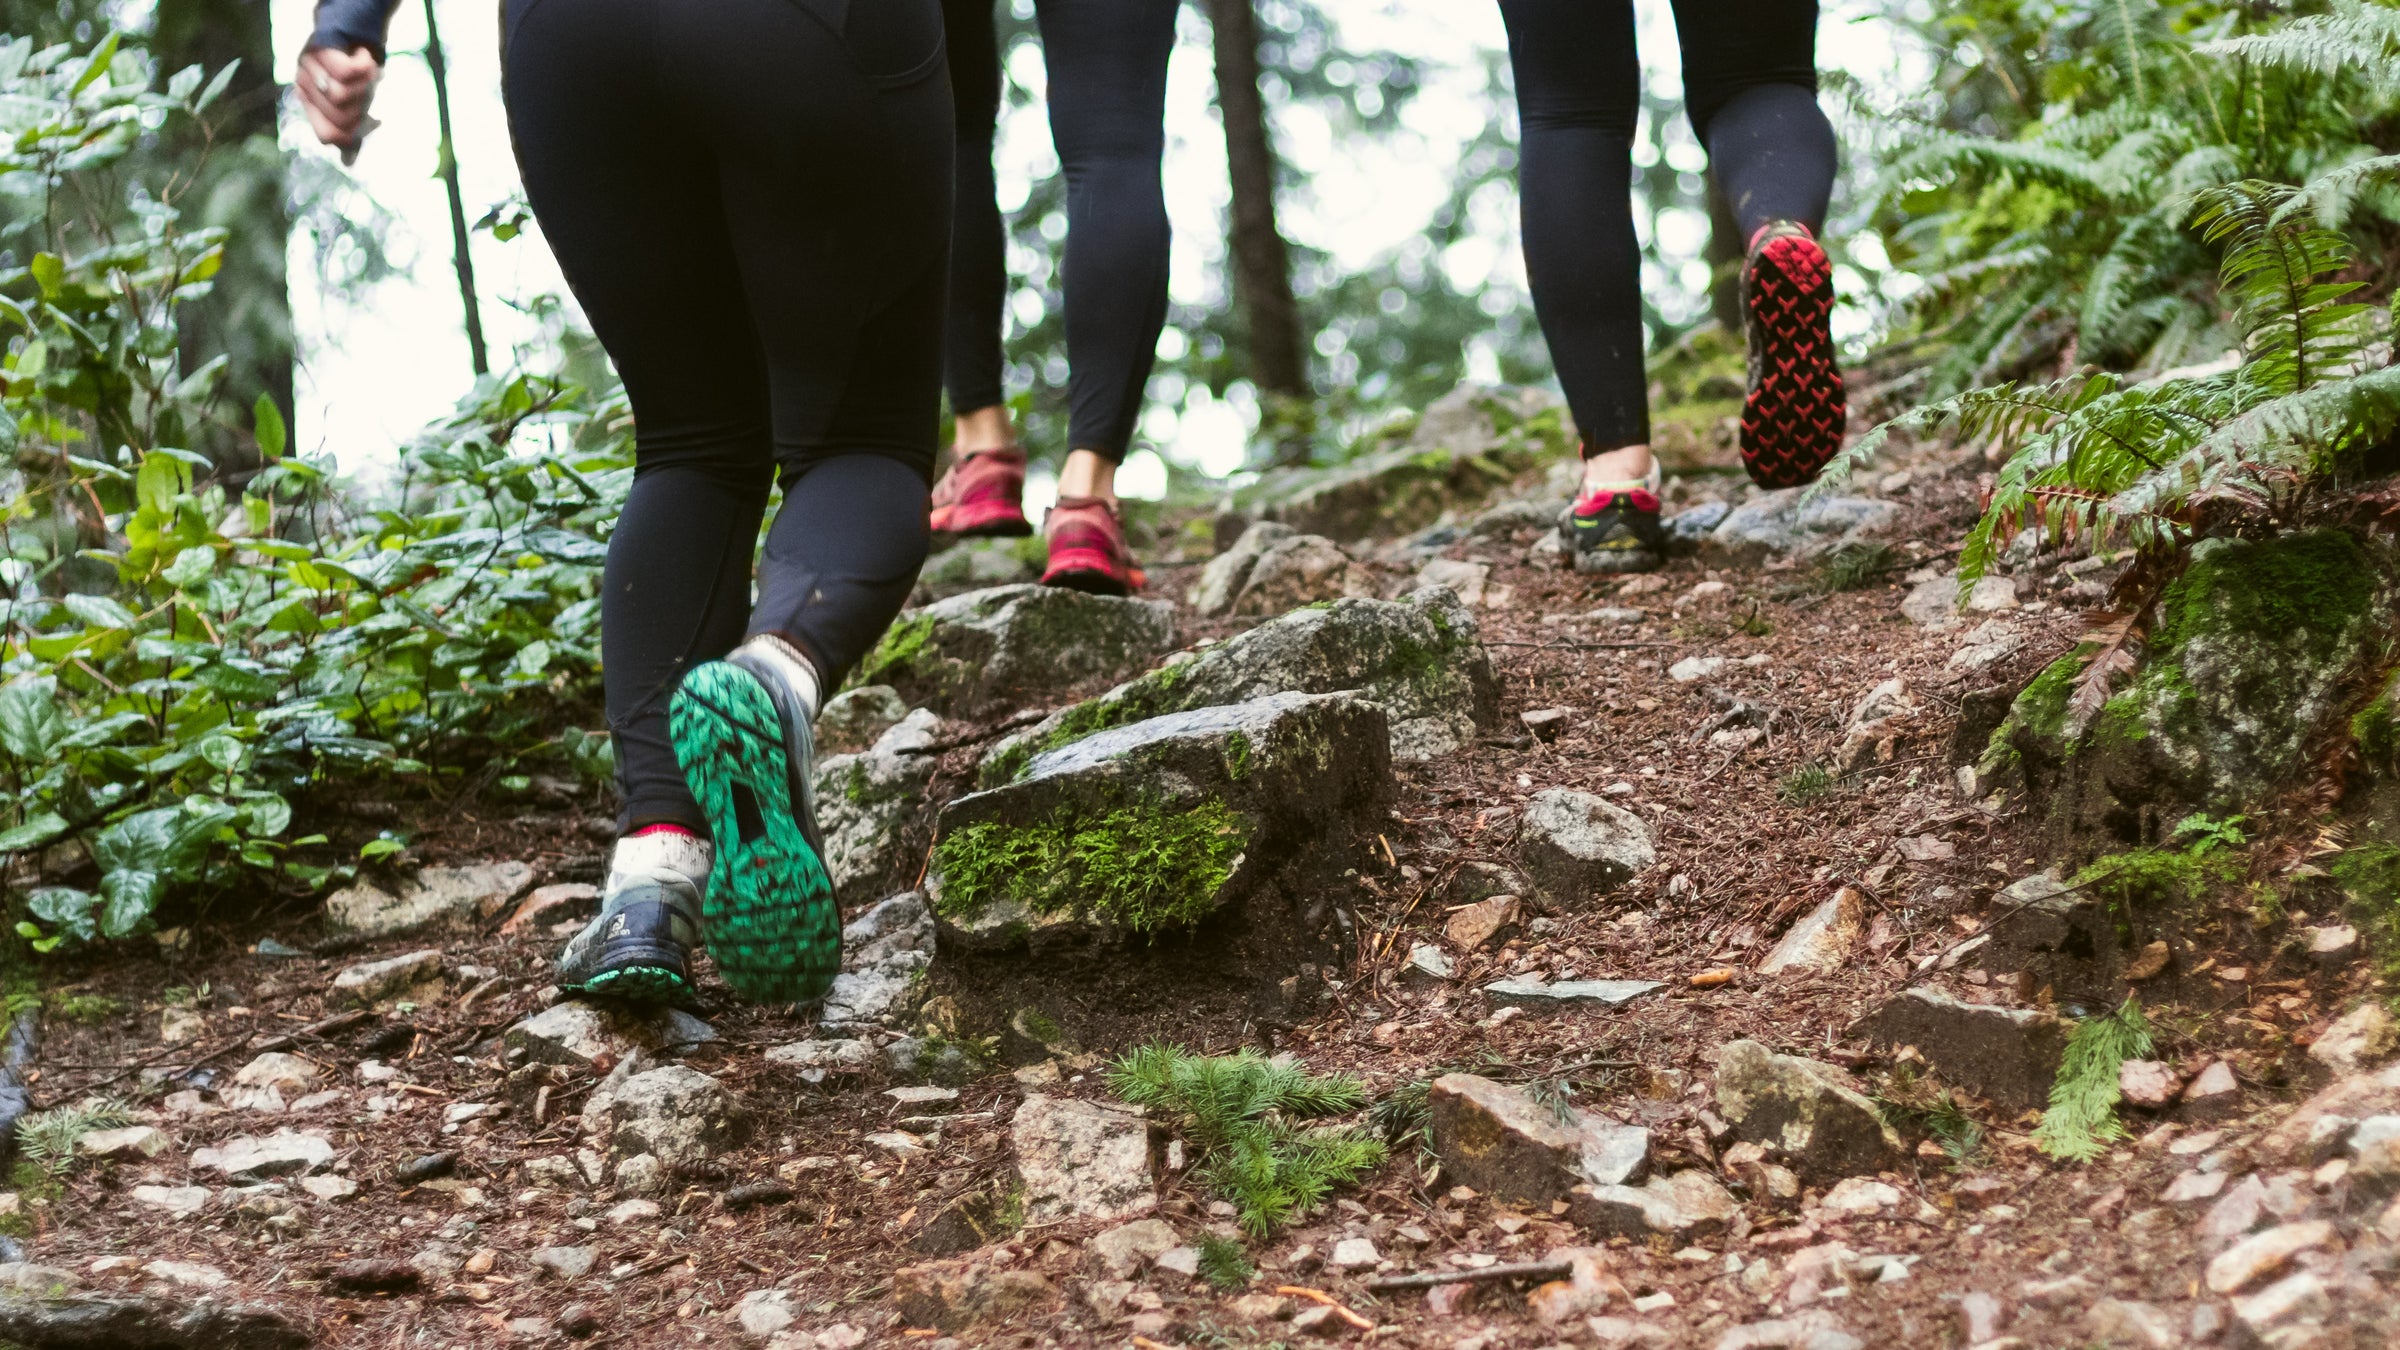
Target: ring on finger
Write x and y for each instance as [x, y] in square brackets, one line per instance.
[325, 83]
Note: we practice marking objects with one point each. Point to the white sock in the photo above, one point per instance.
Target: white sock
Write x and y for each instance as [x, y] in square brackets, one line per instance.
[641, 856]
[785, 660]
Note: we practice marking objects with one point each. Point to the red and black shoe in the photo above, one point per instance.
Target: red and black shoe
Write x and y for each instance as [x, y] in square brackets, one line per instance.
[1793, 418]
[1615, 528]
[1087, 548]
[983, 496]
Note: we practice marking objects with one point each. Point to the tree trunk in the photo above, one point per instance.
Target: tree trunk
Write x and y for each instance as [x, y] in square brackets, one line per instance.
[247, 316]
[1262, 268]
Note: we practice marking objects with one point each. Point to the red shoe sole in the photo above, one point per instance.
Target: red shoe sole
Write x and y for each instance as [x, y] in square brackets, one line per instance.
[1797, 408]
[982, 520]
[1091, 571]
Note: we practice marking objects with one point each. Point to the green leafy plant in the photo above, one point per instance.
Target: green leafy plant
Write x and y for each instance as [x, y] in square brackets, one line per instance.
[1857, 565]
[2082, 1117]
[1241, 1113]
[182, 661]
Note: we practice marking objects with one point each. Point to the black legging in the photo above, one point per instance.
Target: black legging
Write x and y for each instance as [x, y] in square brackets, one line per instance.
[1107, 62]
[751, 199]
[978, 240]
[1750, 81]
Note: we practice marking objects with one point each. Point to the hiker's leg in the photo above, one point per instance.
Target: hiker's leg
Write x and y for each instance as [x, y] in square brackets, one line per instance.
[1578, 99]
[615, 176]
[1107, 63]
[1108, 96]
[621, 184]
[835, 181]
[1750, 80]
[972, 360]
[1750, 88]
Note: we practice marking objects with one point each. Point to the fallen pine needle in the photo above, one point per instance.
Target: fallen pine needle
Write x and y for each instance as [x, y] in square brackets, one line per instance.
[1320, 1296]
[1145, 1343]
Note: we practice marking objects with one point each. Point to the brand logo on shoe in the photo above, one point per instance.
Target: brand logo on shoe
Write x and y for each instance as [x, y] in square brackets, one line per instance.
[616, 929]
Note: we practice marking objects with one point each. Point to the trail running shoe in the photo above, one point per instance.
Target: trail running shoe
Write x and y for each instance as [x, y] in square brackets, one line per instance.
[1793, 418]
[639, 948]
[983, 496]
[747, 752]
[1615, 528]
[1087, 548]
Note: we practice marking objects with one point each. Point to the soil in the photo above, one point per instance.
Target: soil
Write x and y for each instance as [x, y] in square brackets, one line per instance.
[1743, 846]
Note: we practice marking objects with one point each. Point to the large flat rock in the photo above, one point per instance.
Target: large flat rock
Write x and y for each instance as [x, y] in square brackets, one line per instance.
[2010, 1055]
[975, 653]
[1158, 825]
[434, 896]
[1419, 659]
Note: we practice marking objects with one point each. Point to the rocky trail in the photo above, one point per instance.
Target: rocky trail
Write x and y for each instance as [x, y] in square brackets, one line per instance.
[1707, 994]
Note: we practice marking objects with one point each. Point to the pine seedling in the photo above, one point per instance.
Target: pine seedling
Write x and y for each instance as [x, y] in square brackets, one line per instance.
[1224, 1263]
[46, 1139]
[1239, 1111]
[2082, 1119]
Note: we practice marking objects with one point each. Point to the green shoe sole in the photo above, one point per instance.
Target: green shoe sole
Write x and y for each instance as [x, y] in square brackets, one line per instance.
[769, 913]
[638, 984]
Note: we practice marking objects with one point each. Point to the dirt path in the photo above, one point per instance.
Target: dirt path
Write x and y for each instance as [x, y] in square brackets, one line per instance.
[1724, 767]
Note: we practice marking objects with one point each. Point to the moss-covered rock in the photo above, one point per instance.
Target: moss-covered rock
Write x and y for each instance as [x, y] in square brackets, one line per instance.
[865, 804]
[1419, 659]
[1469, 445]
[2253, 650]
[1159, 825]
[973, 653]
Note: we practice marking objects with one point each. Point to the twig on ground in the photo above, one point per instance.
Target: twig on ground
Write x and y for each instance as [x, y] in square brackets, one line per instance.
[1575, 646]
[1519, 1270]
[1320, 1296]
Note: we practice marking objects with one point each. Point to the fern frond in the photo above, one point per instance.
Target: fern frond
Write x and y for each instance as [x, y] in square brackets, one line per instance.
[2082, 1117]
[2333, 196]
[2296, 332]
[2352, 37]
[1950, 156]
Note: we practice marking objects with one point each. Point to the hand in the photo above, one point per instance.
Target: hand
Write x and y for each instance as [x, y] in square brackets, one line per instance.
[335, 89]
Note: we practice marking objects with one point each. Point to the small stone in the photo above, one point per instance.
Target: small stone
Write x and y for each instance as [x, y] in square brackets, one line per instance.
[632, 1211]
[1824, 938]
[2215, 1089]
[374, 1276]
[1823, 1125]
[2295, 1298]
[1861, 1195]
[2148, 1083]
[897, 1143]
[1545, 723]
[372, 982]
[188, 1274]
[133, 1141]
[1681, 1207]
[1321, 1321]
[1356, 1253]
[285, 1073]
[1466, 580]
[1123, 1249]
[2262, 1255]
[2333, 944]
[425, 1167]
[823, 1057]
[1452, 1300]
[578, 1320]
[2236, 1211]
[1529, 993]
[1796, 1333]
[954, 1295]
[1575, 846]
[278, 1154]
[1991, 594]
[1980, 1317]
[1427, 964]
[2149, 962]
[853, 719]
[179, 1202]
[580, 1035]
[1179, 1261]
[1082, 1160]
[1693, 668]
[922, 1095]
[549, 904]
[2125, 1322]
[329, 1188]
[677, 1114]
[564, 1263]
[763, 1312]
[435, 895]
[180, 1025]
[2357, 1039]
[2193, 1187]
[1471, 926]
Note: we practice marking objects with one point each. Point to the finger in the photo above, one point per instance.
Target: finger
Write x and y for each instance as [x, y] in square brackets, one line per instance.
[356, 64]
[332, 127]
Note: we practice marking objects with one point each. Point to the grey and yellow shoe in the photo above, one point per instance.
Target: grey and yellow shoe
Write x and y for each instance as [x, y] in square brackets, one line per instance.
[639, 948]
[1615, 527]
